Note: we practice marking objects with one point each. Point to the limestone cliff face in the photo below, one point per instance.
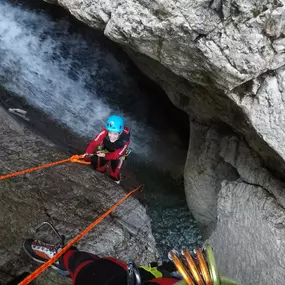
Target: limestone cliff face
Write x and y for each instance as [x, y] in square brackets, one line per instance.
[222, 62]
[70, 196]
[249, 238]
[231, 192]
[230, 53]
[208, 170]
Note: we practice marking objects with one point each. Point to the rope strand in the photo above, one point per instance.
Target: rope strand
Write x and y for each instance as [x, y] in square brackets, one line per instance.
[34, 274]
[74, 158]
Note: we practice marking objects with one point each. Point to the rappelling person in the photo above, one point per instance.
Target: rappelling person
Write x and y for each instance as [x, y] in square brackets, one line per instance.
[111, 144]
[89, 269]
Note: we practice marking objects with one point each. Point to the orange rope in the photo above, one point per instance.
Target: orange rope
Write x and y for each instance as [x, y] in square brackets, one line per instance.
[74, 158]
[33, 275]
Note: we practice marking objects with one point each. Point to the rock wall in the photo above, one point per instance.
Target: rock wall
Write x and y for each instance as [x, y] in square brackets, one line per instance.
[205, 169]
[249, 239]
[234, 196]
[70, 196]
[222, 62]
[225, 50]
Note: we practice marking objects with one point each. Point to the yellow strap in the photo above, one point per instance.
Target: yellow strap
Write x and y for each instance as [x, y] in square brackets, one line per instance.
[153, 270]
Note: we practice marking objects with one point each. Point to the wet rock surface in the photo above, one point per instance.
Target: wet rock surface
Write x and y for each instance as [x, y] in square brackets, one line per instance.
[70, 196]
[222, 62]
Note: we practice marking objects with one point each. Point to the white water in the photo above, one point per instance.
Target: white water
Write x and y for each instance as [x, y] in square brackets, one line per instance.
[30, 71]
[79, 83]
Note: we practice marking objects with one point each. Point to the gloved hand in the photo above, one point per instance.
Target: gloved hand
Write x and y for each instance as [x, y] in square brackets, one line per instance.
[87, 156]
[101, 153]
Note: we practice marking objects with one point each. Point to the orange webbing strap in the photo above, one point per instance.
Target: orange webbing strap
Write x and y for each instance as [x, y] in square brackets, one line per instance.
[74, 158]
[33, 275]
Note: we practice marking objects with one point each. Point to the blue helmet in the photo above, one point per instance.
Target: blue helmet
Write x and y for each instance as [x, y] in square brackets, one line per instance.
[115, 124]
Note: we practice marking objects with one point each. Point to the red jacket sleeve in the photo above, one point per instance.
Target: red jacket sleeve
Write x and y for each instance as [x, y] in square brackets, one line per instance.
[118, 152]
[96, 141]
[163, 281]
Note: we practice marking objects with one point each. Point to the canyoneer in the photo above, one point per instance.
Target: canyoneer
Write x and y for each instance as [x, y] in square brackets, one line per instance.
[86, 268]
[110, 145]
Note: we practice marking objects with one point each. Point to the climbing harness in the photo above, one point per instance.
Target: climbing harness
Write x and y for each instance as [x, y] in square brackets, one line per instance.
[124, 157]
[74, 158]
[33, 275]
[128, 152]
[198, 268]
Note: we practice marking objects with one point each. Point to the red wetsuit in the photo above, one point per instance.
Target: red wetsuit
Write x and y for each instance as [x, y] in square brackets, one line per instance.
[89, 269]
[114, 150]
